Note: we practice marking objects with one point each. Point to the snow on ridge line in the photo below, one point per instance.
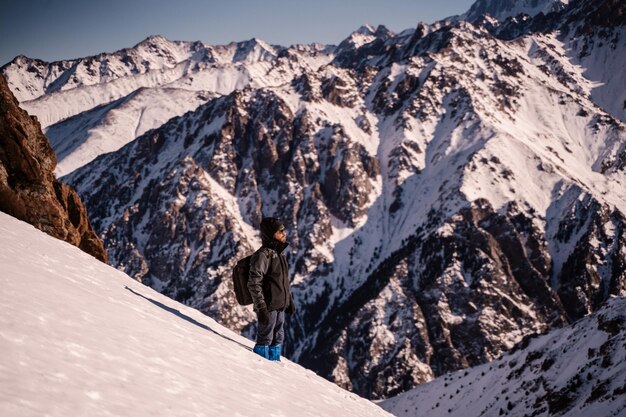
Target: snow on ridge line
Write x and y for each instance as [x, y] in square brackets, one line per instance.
[81, 338]
[113, 125]
[154, 54]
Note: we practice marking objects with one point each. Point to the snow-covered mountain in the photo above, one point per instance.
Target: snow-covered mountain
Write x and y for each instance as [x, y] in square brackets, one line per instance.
[94, 105]
[592, 35]
[448, 190]
[571, 372]
[502, 9]
[81, 338]
[80, 139]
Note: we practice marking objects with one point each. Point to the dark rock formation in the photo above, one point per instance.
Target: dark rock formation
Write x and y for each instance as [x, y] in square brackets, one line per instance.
[28, 189]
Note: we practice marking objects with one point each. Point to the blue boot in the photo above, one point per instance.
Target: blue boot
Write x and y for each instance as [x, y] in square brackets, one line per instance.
[262, 350]
[274, 352]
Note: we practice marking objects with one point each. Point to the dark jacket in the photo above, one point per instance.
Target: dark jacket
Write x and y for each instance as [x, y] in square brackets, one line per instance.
[269, 277]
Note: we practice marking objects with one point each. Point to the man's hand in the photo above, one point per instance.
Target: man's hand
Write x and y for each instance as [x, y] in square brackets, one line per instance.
[264, 316]
[291, 308]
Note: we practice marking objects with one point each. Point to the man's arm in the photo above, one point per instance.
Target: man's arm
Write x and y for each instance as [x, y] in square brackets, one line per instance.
[258, 267]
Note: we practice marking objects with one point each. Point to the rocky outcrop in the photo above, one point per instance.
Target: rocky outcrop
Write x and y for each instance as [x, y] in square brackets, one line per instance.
[28, 189]
[575, 371]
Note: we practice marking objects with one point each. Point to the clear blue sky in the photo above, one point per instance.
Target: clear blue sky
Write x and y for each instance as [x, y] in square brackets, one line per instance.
[63, 29]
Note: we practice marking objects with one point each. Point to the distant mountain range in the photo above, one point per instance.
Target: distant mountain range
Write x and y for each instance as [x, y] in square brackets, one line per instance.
[448, 190]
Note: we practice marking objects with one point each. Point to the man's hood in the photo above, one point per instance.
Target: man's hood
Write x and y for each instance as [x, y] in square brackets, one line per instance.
[269, 226]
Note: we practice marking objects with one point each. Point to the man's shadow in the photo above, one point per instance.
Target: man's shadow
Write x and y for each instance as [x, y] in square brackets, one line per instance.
[184, 317]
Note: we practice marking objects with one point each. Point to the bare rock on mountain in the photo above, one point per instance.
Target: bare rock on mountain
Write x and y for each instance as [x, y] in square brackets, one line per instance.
[29, 190]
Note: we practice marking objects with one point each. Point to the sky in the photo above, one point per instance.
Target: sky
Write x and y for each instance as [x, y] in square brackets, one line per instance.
[65, 29]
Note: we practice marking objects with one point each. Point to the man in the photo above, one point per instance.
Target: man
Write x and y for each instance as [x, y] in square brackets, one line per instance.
[269, 287]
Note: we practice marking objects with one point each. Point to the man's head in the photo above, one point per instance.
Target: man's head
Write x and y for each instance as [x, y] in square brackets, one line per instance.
[273, 228]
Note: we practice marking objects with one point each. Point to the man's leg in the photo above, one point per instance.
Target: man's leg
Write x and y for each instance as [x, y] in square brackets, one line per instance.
[265, 335]
[278, 337]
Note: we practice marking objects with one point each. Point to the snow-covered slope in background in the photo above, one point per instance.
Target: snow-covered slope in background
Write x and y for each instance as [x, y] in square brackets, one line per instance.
[577, 371]
[79, 338]
[79, 139]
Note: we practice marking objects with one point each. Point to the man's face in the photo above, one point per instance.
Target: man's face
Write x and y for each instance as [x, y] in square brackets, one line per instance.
[281, 235]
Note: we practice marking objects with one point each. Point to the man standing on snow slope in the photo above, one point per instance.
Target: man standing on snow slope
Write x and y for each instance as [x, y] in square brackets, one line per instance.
[269, 287]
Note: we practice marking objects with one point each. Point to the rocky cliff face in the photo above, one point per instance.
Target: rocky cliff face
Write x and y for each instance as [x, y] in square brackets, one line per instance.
[447, 190]
[574, 371]
[28, 188]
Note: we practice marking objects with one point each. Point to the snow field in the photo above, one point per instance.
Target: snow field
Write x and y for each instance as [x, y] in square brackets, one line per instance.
[81, 338]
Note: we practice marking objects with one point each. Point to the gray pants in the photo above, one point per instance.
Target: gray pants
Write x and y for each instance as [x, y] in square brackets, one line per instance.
[273, 333]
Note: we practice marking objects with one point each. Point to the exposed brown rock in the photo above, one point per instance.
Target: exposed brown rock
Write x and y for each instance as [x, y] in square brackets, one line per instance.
[29, 190]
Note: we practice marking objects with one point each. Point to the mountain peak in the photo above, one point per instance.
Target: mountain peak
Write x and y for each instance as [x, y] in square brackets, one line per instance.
[380, 31]
[21, 59]
[256, 42]
[254, 50]
[362, 36]
[158, 41]
[383, 31]
[365, 30]
[154, 39]
[501, 9]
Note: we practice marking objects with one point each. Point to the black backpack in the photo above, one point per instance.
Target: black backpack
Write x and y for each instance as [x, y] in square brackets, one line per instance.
[241, 273]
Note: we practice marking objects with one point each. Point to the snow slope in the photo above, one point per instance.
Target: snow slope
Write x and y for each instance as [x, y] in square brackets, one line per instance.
[106, 128]
[79, 338]
[577, 371]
